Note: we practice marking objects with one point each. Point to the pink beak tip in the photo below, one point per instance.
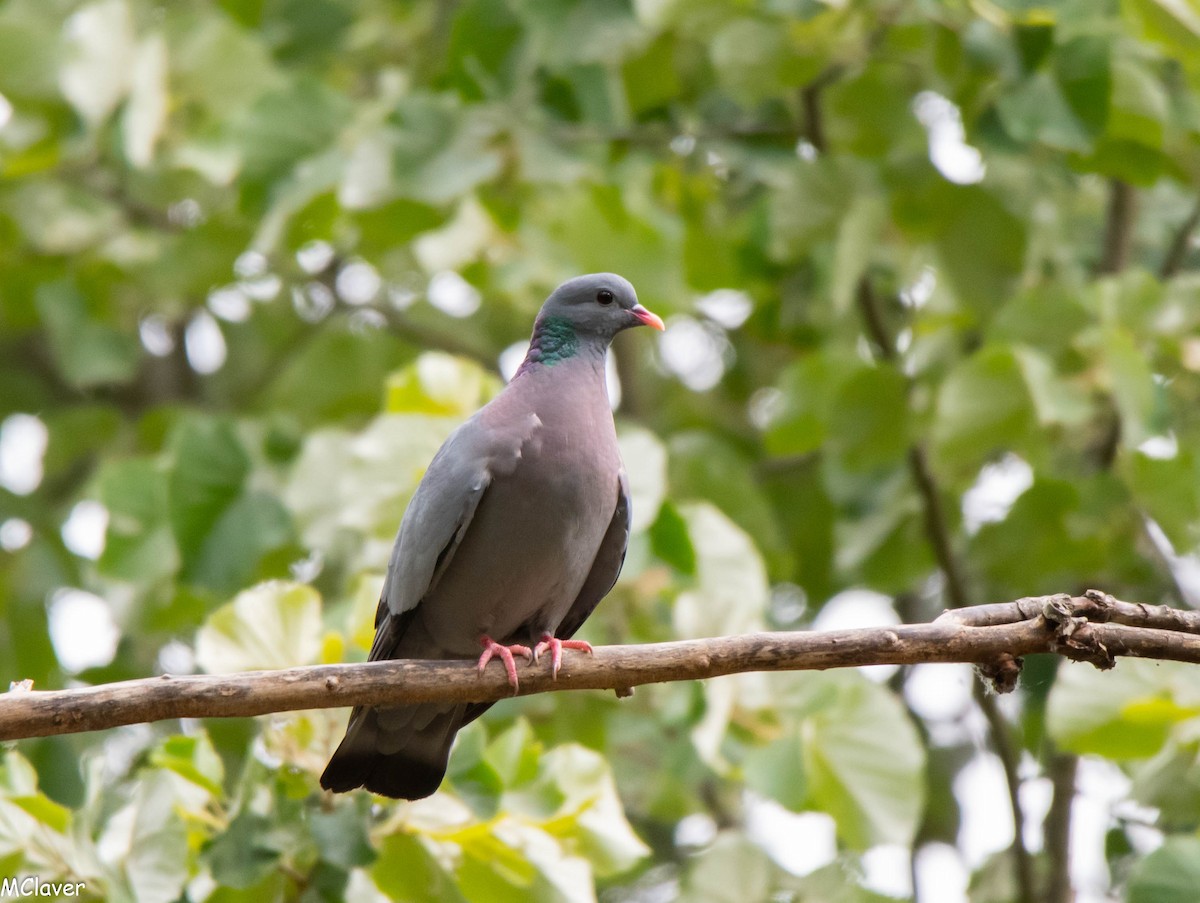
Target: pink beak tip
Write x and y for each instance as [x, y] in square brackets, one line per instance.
[648, 318]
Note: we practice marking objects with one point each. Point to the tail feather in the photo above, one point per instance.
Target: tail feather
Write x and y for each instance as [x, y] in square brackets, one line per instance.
[397, 751]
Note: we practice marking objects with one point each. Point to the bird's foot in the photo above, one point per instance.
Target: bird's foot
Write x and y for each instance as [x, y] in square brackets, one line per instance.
[505, 654]
[556, 646]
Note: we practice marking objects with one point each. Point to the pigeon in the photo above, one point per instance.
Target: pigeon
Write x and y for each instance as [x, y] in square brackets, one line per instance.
[515, 533]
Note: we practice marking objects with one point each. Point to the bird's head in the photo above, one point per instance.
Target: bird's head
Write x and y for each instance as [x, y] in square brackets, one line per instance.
[597, 305]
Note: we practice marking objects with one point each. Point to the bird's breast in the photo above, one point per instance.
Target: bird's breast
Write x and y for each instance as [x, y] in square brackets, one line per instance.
[530, 545]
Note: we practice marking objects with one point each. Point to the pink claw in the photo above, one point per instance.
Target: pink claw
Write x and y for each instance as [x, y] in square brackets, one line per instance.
[492, 648]
[556, 646]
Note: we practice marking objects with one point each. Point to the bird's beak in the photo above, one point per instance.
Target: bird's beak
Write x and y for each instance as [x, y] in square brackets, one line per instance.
[645, 317]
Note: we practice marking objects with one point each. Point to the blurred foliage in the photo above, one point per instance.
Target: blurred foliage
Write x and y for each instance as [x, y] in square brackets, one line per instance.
[260, 256]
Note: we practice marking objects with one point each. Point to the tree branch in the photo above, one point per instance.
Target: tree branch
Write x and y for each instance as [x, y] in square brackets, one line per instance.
[1055, 624]
[937, 529]
[1003, 672]
[1118, 227]
[1010, 757]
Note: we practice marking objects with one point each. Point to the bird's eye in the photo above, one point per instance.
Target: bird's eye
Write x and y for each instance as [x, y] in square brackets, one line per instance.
[604, 296]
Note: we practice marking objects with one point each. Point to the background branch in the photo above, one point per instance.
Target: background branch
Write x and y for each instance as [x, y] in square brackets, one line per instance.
[1118, 227]
[1061, 770]
[1061, 627]
[1002, 675]
[1180, 244]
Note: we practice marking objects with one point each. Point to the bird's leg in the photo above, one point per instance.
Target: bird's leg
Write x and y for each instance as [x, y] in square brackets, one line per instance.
[505, 653]
[556, 646]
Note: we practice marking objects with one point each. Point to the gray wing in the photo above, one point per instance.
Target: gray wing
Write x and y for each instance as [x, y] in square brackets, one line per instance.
[607, 566]
[439, 515]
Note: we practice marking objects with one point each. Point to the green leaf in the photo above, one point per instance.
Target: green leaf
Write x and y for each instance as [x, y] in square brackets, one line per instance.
[1168, 490]
[238, 855]
[1132, 388]
[1124, 714]
[808, 387]
[306, 31]
[254, 524]
[981, 245]
[864, 762]
[193, 758]
[139, 545]
[598, 225]
[1170, 780]
[807, 206]
[151, 841]
[440, 151]
[341, 836]
[381, 228]
[730, 595]
[513, 756]
[336, 375]
[29, 46]
[983, 407]
[1048, 317]
[362, 481]
[95, 73]
[1170, 874]
[285, 125]
[87, 351]
[706, 465]
[440, 384]
[589, 819]
[408, 871]
[868, 112]
[47, 812]
[858, 235]
[777, 770]
[1137, 128]
[480, 52]
[1140, 107]
[753, 61]
[732, 870]
[208, 469]
[1057, 530]
[868, 422]
[273, 625]
[1037, 110]
[495, 869]
[651, 79]
[1173, 23]
[1084, 72]
[215, 62]
[645, 460]
[1056, 401]
[669, 540]
[1034, 37]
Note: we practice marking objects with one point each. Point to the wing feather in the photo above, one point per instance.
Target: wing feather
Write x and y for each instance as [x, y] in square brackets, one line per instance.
[607, 566]
[439, 516]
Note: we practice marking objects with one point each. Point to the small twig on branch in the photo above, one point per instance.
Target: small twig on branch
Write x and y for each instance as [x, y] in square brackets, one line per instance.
[1061, 626]
[1094, 605]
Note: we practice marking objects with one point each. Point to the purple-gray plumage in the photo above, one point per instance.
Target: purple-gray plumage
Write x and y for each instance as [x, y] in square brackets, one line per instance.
[517, 530]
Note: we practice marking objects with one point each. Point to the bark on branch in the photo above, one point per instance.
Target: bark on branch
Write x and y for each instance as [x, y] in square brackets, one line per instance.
[1093, 627]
